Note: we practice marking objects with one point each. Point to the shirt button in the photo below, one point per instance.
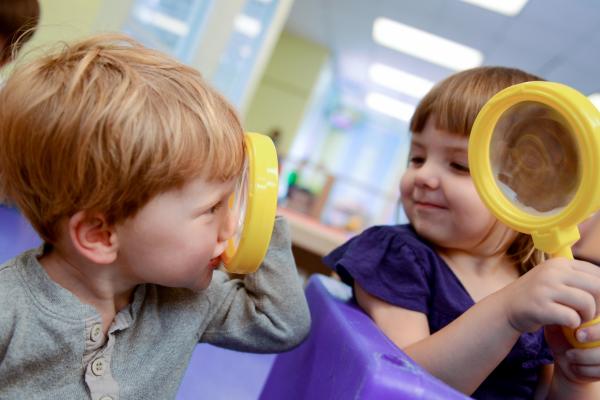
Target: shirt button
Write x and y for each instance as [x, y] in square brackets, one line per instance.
[106, 398]
[96, 332]
[98, 366]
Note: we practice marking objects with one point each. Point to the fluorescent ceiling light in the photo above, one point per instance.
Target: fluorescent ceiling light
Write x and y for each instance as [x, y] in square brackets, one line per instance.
[162, 21]
[247, 25]
[506, 7]
[389, 106]
[399, 80]
[425, 45]
[595, 98]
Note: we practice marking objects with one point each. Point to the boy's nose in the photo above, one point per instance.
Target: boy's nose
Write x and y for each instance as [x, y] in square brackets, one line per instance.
[226, 232]
[228, 228]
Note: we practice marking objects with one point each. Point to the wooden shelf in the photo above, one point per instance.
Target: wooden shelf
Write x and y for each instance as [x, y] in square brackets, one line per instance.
[311, 235]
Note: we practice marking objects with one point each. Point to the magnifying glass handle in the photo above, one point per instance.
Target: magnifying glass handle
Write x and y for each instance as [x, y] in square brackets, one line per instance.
[568, 332]
[570, 335]
[564, 252]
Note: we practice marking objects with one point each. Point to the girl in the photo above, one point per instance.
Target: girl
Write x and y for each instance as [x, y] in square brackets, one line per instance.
[456, 289]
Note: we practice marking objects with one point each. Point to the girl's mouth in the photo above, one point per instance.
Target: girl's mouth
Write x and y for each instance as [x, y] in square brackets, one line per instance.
[424, 204]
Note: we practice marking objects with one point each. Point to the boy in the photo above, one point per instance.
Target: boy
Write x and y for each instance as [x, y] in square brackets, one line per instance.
[123, 160]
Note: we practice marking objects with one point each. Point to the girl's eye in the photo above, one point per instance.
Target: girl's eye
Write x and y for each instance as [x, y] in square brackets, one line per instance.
[417, 160]
[460, 167]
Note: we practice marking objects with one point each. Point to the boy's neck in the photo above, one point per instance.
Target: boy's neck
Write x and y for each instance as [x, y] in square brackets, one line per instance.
[100, 286]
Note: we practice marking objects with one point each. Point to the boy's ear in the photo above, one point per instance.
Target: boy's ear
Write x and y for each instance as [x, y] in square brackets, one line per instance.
[93, 237]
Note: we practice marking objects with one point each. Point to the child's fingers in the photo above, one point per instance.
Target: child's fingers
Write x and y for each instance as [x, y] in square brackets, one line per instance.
[560, 314]
[586, 283]
[586, 372]
[589, 334]
[586, 267]
[589, 283]
[589, 356]
[585, 363]
[584, 277]
[579, 300]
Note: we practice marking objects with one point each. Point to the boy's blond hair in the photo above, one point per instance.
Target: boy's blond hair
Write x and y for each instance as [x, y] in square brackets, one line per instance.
[103, 125]
[454, 104]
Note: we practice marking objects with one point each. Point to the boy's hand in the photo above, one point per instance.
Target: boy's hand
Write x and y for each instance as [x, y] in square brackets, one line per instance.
[556, 292]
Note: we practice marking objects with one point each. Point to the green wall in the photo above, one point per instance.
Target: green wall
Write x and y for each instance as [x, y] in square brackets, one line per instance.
[67, 20]
[64, 20]
[280, 99]
[60, 20]
[285, 89]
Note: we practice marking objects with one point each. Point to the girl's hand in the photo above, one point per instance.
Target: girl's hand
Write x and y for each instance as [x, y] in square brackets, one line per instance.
[556, 292]
[578, 366]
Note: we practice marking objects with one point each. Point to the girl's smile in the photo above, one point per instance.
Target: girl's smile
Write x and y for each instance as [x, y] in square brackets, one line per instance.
[428, 205]
[438, 194]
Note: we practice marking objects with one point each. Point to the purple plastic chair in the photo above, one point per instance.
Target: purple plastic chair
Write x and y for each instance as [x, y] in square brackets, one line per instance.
[219, 374]
[16, 235]
[346, 356]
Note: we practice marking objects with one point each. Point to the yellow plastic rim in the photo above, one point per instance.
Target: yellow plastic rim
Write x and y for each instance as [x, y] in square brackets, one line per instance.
[551, 233]
[261, 206]
[554, 234]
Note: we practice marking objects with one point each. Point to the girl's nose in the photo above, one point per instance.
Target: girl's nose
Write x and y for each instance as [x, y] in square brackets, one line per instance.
[427, 176]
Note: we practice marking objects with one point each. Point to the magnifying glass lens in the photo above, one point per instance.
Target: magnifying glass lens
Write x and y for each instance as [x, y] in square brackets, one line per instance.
[535, 158]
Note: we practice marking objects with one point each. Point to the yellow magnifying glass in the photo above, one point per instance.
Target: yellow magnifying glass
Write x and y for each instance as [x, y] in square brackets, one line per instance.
[255, 203]
[534, 155]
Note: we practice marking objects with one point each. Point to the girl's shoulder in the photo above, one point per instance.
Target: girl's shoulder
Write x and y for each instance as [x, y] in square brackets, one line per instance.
[391, 263]
[383, 244]
[403, 232]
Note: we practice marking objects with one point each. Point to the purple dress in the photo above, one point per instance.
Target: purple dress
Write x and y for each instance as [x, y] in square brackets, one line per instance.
[393, 264]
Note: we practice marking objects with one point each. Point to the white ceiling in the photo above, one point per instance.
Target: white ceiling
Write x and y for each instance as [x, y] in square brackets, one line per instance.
[556, 39]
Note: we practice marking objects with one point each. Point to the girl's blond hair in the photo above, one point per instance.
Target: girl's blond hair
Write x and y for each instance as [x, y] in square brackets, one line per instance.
[104, 125]
[454, 104]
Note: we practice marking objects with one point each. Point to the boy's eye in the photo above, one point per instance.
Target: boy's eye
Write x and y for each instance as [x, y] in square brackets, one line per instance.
[460, 167]
[215, 208]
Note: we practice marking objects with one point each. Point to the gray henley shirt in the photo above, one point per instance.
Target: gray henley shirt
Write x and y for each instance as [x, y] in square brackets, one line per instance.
[52, 346]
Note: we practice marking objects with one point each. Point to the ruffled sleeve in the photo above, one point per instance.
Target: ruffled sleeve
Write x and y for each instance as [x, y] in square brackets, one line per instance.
[387, 262]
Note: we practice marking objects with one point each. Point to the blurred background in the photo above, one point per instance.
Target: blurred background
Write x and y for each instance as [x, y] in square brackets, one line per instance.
[334, 82]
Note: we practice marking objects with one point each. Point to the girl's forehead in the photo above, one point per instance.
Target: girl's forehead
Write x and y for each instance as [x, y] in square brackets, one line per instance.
[440, 138]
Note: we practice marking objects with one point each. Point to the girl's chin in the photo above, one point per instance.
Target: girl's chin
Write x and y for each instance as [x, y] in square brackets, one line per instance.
[431, 231]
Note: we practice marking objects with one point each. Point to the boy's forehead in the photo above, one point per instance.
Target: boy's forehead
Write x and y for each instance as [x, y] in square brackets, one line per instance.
[208, 188]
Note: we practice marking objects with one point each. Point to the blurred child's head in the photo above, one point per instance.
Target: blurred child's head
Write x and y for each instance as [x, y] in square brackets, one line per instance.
[18, 19]
[104, 126]
[442, 190]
